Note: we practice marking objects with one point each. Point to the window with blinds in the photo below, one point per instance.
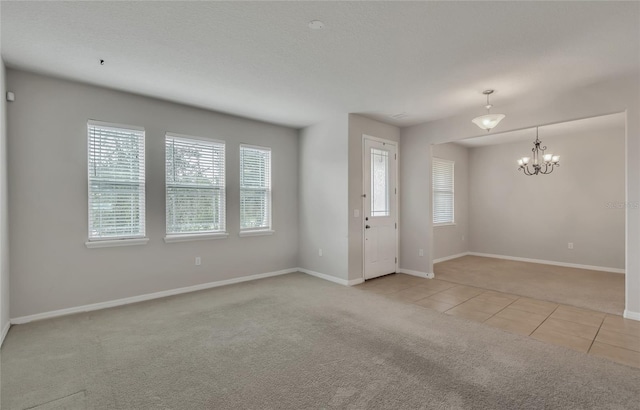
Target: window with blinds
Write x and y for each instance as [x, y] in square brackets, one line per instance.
[255, 188]
[443, 195]
[195, 184]
[116, 181]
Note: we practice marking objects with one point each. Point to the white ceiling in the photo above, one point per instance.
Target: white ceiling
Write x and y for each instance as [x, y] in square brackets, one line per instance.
[259, 59]
[603, 122]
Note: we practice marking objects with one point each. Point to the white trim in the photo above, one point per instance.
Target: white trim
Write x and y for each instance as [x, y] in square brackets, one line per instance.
[195, 237]
[447, 258]
[116, 242]
[332, 278]
[190, 138]
[5, 330]
[114, 125]
[545, 262]
[256, 233]
[631, 315]
[142, 298]
[444, 224]
[258, 147]
[417, 273]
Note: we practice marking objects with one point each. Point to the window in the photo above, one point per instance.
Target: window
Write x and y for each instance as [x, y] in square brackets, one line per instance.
[443, 197]
[116, 181]
[255, 188]
[195, 184]
[379, 182]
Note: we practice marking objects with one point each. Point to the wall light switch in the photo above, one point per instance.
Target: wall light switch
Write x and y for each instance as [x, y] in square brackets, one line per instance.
[320, 252]
[420, 252]
[198, 261]
[570, 245]
[356, 213]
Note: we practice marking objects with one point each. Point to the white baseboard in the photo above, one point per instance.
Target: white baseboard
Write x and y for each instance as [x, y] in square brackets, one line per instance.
[447, 258]
[331, 278]
[417, 273]
[631, 315]
[142, 298]
[545, 262]
[5, 330]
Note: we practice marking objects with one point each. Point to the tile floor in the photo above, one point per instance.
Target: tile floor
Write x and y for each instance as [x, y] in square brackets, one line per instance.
[596, 333]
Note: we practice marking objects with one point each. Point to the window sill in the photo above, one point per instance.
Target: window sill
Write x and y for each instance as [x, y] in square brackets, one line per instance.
[195, 237]
[116, 242]
[445, 224]
[256, 233]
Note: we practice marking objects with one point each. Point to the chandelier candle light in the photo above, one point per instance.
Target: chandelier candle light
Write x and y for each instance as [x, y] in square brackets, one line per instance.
[488, 121]
[546, 166]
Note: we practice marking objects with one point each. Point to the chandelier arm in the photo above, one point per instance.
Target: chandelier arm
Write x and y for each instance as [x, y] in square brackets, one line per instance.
[527, 171]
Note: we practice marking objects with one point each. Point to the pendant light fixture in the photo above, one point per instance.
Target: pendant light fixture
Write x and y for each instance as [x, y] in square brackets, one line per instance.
[488, 121]
[542, 163]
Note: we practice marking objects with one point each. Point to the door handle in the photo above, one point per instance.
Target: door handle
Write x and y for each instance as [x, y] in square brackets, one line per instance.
[367, 227]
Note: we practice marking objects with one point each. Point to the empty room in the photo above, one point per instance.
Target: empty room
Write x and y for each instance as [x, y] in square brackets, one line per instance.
[557, 235]
[294, 205]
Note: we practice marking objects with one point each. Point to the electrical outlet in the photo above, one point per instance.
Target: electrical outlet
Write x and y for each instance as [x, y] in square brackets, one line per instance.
[319, 251]
[198, 261]
[420, 252]
[463, 237]
[570, 245]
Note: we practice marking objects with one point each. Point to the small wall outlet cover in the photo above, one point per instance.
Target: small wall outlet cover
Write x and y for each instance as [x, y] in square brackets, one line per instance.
[11, 96]
[570, 245]
[420, 252]
[320, 252]
[198, 261]
[356, 213]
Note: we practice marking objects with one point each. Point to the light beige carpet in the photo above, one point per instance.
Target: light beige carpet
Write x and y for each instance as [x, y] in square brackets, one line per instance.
[595, 290]
[295, 342]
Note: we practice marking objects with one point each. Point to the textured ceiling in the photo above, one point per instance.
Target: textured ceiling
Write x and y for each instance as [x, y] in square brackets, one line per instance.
[260, 60]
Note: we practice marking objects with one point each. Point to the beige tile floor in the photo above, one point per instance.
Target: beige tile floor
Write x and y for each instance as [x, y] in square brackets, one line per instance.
[588, 331]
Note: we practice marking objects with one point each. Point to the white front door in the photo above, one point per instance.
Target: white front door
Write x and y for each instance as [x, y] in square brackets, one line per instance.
[380, 207]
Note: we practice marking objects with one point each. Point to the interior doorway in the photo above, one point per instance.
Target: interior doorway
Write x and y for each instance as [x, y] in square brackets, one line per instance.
[558, 237]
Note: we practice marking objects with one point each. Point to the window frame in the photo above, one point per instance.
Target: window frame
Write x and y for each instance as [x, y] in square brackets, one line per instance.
[203, 235]
[123, 240]
[452, 192]
[259, 231]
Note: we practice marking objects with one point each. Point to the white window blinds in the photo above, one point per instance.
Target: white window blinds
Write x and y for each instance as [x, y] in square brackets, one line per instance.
[116, 181]
[195, 183]
[443, 195]
[255, 188]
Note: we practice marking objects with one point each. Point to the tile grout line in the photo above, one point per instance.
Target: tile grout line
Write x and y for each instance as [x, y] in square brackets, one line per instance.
[598, 332]
[453, 306]
[512, 302]
[545, 319]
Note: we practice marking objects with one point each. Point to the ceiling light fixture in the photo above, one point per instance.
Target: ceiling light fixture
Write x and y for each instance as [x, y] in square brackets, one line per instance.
[316, 25]
[549, 161]
[488, 121]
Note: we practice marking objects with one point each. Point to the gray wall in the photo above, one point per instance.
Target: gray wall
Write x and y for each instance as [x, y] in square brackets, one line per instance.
[451, 240]
[50, 266]
[359, 126]
[616, 95]
[536, 217]
[4, 229]
[323, 197]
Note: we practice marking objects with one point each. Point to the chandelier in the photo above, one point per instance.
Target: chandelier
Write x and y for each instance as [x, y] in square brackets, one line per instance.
[549, 161]
[488, 121]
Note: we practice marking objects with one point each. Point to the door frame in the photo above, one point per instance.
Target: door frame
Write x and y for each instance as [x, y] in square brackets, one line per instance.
[363, 198]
